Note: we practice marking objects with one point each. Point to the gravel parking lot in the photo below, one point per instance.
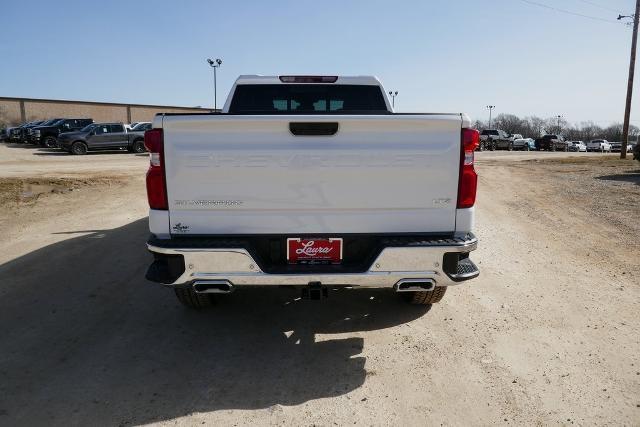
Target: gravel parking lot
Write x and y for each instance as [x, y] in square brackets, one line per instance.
[547, 334]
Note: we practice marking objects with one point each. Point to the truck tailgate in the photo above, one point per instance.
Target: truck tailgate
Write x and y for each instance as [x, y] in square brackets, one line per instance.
[244, 174]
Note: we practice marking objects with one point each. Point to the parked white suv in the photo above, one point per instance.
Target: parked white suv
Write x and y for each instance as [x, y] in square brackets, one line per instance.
[312, 182]
[578, 146]
[601, 145]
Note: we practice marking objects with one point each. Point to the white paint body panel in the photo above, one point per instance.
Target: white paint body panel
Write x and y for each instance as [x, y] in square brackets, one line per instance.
[241, 174]
[465, 220]
[159, 223]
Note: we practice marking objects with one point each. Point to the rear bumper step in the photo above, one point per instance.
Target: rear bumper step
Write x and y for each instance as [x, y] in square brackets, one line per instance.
[408, 268]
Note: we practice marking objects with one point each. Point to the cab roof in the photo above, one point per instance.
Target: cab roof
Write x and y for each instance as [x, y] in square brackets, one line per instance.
[321, 79]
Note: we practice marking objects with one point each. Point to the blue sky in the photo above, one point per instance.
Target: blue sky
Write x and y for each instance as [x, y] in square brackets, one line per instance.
[440, 55]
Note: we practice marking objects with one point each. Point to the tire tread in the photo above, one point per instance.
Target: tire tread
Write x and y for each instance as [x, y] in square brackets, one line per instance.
[193, 300]
[428, 297]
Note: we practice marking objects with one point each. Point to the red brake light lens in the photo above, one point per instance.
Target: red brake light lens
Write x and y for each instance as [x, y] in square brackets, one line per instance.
[156, 182]
[470, 139]
[308, 79]
[468, 182]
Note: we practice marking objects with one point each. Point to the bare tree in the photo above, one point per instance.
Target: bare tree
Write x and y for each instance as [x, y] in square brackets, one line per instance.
[479, 125]
[535, 127]
[509, 123]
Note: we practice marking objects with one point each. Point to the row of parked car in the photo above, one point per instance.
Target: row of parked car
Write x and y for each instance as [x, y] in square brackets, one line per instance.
[78, 136]
[496, 139]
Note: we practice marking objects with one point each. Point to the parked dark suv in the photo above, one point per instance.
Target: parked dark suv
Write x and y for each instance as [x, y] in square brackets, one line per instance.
[47, 135]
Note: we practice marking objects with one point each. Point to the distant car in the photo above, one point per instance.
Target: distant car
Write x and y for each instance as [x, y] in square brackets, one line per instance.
[18, 134]
[507, 144]
[46, 136]
[102, 136]
[616, 147]
[26, 131]
[5, 133]
[577, 146]
[29, 133]
[552, 142]
[526, 144]
[141, 126]
[601, 145]
[490, 139]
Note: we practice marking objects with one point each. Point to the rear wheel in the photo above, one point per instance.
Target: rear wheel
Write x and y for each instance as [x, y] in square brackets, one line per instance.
[510, 147]
[425, 297]
[189, 298]
[138, 146]
[79, 148]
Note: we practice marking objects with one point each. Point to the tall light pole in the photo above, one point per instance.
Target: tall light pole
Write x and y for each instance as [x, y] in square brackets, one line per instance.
[393, 98]
[632, 67]
[559, 117]
[215, 64]
[490, 108]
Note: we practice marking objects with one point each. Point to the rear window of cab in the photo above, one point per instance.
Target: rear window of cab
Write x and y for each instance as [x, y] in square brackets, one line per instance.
[307, 99]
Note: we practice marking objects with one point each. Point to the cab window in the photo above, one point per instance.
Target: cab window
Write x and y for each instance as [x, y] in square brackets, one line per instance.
[102, 129]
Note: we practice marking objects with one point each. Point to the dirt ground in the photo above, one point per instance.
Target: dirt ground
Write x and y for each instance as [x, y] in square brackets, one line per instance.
[548, 334]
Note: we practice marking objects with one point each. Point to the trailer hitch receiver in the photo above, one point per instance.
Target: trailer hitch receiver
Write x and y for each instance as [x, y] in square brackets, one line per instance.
[315, 291]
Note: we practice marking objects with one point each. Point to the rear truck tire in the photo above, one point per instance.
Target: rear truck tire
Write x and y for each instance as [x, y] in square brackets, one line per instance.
[510, 147]
[492, 146]
[425, 297]
[191, 299]
[527, 148]
[49, 142]
[79, 148]
[138, 146]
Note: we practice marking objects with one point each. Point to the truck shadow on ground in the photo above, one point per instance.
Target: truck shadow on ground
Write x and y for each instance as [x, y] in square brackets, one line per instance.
[59, 152]
[629, 176]
[86, 340]
[17, 145]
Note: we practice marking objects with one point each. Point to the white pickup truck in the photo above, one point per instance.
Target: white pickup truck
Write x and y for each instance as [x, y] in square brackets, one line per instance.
[599, 145]
[312, 182]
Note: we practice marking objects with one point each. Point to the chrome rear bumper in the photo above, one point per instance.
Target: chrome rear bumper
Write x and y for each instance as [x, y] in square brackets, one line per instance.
[422, 262]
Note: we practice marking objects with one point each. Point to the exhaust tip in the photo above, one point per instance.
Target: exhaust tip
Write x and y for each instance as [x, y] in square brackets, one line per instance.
[415, 285]
[213, 287]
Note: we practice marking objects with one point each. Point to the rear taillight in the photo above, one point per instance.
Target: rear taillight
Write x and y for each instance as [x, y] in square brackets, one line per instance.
[308, 79]
[156, 184]
[468, 182]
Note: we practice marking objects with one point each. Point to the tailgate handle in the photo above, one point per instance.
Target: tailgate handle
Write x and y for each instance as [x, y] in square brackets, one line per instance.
[313, 128]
